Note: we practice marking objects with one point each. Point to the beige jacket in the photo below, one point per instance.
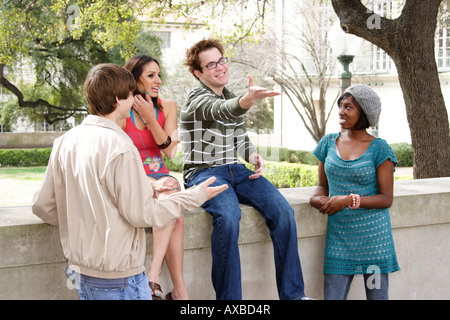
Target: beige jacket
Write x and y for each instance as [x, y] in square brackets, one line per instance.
[95, 189]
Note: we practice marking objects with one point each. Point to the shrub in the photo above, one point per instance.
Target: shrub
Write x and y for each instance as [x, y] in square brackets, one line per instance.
[289, 175]
[24, 157]
[287, 155]
[404, 154]
[174, 164]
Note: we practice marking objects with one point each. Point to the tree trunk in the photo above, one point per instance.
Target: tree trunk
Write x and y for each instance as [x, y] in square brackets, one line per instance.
[409, 41]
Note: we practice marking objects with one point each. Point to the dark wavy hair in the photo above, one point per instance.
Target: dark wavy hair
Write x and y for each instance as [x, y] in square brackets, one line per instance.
[136, 66]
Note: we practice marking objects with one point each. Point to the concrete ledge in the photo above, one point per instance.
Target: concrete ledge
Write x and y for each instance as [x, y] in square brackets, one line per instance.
[32, 264]
[24, 140]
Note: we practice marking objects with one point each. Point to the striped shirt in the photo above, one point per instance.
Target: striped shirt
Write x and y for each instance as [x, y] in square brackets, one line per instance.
[212, 130]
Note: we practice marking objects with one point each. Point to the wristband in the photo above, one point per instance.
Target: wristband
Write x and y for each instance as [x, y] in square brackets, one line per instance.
[166, 143]
[356, 201]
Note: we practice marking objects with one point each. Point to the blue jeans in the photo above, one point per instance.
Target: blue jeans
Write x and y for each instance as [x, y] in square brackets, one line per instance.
[279, 217]
[337, 286]
[131, 288]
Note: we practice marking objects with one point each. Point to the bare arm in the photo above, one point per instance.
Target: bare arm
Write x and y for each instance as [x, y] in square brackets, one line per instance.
[146, 109]
[321, 192]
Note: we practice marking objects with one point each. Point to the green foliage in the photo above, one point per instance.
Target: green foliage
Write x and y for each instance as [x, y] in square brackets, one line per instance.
[289, 175]
[404, 154]
[174, 164]
[61, 40]
[48, 48]
[280, 174]
[24, 157]
[287, 155]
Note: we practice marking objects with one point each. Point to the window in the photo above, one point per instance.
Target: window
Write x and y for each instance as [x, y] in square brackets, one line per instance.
[4, 128]
[42, 126]
[380, 61]
[443, 47]
[165, 36]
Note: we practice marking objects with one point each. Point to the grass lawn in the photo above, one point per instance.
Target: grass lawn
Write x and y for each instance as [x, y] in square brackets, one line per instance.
[30, 173]
[18, 185]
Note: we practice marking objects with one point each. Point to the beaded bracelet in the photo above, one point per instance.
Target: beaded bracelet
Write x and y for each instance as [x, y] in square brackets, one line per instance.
[356, 201]
[166, 143]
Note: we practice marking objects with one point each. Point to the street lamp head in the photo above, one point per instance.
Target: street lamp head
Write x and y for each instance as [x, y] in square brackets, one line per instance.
[343, 44]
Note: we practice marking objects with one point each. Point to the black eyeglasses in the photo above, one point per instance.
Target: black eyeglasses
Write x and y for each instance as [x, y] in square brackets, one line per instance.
[213, 65]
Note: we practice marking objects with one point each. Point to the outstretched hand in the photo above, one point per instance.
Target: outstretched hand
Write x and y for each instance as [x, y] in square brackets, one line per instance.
[254, 94]
[212, 191]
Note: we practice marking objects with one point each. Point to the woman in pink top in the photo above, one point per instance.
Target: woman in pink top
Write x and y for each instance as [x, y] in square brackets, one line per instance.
[152, 126]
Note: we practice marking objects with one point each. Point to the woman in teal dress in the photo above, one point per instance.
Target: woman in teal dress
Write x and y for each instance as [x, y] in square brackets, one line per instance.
[355, 190]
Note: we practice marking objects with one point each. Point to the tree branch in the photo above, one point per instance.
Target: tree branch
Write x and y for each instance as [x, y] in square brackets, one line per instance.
[50, 116]
[361, 21]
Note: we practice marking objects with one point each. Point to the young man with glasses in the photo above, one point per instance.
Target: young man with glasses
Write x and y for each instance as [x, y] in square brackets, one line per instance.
[212, 135]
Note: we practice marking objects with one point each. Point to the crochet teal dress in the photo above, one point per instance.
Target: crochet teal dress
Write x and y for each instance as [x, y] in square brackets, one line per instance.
[358, 241]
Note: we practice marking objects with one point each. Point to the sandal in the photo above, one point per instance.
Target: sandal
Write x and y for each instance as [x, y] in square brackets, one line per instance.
[155, 286]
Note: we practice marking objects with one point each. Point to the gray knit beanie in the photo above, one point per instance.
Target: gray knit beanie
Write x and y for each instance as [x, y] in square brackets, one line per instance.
[368, 100]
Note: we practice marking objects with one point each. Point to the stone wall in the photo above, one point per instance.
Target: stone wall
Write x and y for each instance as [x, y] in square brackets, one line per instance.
[32, 265]
[24, 140]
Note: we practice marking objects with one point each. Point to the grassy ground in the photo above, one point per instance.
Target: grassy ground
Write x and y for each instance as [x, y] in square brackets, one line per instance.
[30, 174]
[19, 184]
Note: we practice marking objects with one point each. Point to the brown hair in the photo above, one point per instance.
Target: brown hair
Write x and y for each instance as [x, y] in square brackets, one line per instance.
[136, 66]
[103, 84]
[192, 60]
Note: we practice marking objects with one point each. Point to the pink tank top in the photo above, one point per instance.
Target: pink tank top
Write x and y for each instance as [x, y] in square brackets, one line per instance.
[151, 155]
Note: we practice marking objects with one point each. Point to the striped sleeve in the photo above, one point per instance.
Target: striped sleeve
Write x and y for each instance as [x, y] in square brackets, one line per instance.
[203, 105]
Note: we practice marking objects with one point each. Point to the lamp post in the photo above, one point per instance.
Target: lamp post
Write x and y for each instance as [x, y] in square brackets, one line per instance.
[345, 46]
[346, 75]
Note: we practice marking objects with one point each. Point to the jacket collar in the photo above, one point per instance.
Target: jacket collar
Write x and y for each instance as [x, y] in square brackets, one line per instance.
[99, 121]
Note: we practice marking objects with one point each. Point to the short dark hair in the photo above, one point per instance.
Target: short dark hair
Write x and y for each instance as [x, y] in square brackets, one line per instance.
[363, 122]
[136, 66]
[103, 84]
[192, 60]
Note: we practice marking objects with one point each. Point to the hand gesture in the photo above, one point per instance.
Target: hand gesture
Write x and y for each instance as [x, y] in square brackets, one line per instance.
[212, 191]
[254, 94]
[145, 108]
[162, 185]
[334, 205]
[258, 161]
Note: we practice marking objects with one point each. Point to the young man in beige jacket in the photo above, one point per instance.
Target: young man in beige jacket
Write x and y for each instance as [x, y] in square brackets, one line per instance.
[96, 191]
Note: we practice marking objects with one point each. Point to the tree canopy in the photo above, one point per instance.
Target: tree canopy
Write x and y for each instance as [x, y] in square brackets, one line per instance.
[63, 39]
